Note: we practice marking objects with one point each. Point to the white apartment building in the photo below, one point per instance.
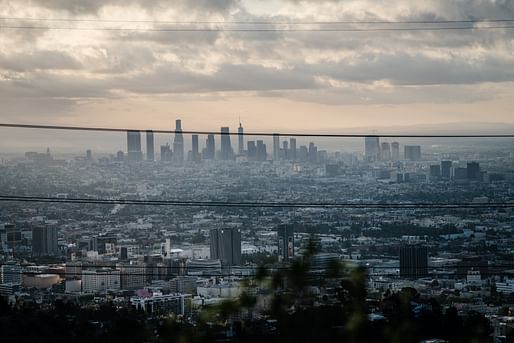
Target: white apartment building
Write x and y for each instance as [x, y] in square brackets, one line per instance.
[100, 280]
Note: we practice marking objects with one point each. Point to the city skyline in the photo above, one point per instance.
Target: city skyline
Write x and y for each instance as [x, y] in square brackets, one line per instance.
[282, 149]
[257, 170]
[66, 142]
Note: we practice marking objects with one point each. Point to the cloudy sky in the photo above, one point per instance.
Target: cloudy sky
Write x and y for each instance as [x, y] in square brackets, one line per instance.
[281, 81]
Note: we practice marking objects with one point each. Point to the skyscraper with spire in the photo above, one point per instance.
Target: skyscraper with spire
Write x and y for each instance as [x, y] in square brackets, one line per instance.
[240, 136]
[178, 142]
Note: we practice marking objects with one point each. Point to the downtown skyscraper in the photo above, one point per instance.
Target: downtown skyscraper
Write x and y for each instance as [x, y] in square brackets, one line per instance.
[276, 147]
[371, 148]
[385, 151]
[226, 148]
[195, 153]
[209, 151]
[178, 142]
[240, 138]
[292, 149]
[134, 152]
[150, 153]
[395, 151]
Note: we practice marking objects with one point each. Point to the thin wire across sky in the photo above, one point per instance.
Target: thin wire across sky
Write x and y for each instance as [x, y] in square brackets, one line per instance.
[267, 22]
[284, 134]
[20, 23]
[259, 204]
[219, 29]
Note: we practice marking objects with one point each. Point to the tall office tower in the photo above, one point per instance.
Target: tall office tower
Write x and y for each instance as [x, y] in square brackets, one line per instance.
[226, 148]
[292, 148]
[134, 146]
[252, 151]
[412, 152]
[178, 142]
[460, 173]
[210, 148]
[473, 171]
[226, 246]
[276, 146]
[166, 153]
[150, 154]
[371, 148]
[313, 152]
[446, 169]
[285, 150]
[44, 241]
[303, 153]
[285, 235]
[195, 151]
[385, 151]
[395, 151]
[435, 171]
[413, 261]
[240, 137]
[262, 155]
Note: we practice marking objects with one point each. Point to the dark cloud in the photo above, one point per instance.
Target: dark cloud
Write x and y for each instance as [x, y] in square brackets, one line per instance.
[416, 69]
[171, 79]
[93, 6]
[40, 85]
[38, 59]
[167, 38]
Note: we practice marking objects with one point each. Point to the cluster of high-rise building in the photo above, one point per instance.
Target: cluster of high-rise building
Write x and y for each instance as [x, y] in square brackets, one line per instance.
[256, 150]
[385, 151]
[42, 239]
[446, 170]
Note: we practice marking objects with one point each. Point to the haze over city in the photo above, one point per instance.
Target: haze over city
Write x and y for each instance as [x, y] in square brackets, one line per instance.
[257, 171]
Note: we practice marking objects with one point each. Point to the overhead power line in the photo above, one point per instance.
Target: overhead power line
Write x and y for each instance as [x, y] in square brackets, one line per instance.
[220, 29]
[323, 273]
[341, 267]
[185, 203]
[252, 22]
[313, 273]
[285, 134]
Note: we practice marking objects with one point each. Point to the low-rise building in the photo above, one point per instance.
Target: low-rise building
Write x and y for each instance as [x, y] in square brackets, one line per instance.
[158, 303]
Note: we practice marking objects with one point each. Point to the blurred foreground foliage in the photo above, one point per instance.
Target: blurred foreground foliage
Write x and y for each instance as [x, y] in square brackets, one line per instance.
[282, 305]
